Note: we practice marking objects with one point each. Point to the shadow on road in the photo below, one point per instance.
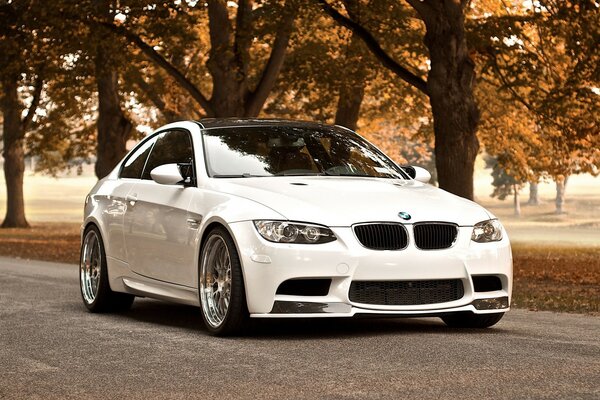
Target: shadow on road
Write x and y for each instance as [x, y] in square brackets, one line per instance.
[189, 318]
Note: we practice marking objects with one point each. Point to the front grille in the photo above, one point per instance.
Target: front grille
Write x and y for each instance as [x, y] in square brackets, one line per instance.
[405, 293]
[434, 236]
[382, 236]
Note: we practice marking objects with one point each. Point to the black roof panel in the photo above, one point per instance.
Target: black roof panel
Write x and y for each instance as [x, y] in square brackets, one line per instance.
[209, 123]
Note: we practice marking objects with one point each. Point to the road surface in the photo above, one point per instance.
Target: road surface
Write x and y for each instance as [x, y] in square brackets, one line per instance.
[51, 347]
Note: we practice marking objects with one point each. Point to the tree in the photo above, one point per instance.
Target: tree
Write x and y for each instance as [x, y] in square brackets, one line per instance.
[533, 194]
[240, 84]
[449, 86]
[504, 184]
[114, 127]
[330, 75]
[541, 61]
[21, 65]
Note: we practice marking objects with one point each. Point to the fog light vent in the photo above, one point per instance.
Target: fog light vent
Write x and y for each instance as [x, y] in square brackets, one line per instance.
[486, 283]
[305, 287]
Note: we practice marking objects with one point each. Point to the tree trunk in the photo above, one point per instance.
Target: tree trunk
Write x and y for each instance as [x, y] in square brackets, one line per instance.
[561, 187]
[14, 155]
[516, 201]
[114, 128]
[352, 88]
[348, 108]
[450, 87]
[229, 84]
[533, 194]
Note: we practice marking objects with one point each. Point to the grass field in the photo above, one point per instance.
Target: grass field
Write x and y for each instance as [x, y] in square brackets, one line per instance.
[556, 278]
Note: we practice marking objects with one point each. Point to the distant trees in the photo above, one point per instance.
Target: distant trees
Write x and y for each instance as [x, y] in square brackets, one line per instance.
[541, 88]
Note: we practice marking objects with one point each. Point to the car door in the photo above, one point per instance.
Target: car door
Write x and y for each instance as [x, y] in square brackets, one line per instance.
[116, 203]
[158, 236]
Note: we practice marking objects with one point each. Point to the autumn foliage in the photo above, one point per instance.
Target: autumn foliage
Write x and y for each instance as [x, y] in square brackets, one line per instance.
[430, 82]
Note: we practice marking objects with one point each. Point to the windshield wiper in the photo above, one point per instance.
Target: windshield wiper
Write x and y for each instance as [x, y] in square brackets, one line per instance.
[299, 174]
[346, 174]
[244, 175]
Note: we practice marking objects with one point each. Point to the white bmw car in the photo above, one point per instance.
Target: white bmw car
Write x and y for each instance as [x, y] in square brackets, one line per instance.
[250, 218]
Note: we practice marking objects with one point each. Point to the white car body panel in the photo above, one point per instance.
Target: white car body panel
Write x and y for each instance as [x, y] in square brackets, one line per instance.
[153, 237]
[344, 201]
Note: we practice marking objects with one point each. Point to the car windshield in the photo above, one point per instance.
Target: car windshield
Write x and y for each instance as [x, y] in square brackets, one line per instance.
[238, 152]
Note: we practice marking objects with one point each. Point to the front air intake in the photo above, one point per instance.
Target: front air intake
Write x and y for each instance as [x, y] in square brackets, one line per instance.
[406, 293]
[382, 236]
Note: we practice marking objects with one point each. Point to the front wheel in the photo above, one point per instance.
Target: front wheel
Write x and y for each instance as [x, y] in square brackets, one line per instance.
[471, 320]
[222, 294]
[93, 277]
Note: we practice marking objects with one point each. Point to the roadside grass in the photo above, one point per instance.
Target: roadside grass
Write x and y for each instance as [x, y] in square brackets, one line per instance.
[557, 278]
[546, 277]
[48, 241]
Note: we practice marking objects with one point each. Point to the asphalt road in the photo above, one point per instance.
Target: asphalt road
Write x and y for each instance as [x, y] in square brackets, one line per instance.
[51, 347]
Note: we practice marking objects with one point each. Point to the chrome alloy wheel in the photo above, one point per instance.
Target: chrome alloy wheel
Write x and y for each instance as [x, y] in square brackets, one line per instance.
[90, 267]
[215, 281]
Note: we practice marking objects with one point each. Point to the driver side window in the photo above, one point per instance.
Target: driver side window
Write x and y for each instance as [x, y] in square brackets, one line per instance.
[134, 165]
[171, 147]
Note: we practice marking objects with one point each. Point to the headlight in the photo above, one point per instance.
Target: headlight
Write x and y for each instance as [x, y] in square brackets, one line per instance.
[287, 232]
[487, 231]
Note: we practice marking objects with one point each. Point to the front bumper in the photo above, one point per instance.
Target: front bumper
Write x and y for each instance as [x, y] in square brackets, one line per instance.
[266, 265]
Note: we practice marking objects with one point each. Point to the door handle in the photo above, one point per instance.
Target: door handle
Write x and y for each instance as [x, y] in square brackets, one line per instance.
[193, 223]
[131, 198]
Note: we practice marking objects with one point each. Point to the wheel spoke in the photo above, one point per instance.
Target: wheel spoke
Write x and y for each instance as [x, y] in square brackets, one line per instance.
[215, 280]
[91, 267]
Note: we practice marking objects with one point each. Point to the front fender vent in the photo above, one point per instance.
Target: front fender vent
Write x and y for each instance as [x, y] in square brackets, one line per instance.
[382, 236]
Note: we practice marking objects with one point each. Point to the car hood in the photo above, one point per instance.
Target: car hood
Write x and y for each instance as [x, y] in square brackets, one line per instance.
[343, 201]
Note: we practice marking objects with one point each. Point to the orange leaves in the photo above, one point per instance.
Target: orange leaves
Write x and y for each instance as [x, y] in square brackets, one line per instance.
[557, 278]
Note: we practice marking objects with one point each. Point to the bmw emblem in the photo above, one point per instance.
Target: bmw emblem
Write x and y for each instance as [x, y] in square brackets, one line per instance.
[404, 215]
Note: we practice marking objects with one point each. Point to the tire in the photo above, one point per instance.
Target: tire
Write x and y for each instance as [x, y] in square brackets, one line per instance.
[93, 277]
[471, 320]
[221, 285]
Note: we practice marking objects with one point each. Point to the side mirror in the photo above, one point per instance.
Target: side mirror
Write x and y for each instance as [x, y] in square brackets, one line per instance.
[417, 173]
[167, 174]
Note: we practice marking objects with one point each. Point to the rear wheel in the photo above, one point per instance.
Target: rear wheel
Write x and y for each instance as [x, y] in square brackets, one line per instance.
[471, 320]
[222, 294]
[93, 277]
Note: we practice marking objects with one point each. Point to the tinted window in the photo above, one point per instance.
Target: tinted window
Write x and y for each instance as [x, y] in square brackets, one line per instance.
[134, 165]
[285, 150]
[171, 147]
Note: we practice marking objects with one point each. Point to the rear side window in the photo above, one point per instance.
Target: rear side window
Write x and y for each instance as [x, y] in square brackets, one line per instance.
[134, 165]
[171, 147]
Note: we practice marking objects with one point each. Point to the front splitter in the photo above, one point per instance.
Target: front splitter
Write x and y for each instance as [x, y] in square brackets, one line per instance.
[303, 309]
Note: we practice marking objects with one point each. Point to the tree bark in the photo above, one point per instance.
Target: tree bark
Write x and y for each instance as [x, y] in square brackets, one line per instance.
[114, 128]
[450, 86]
[561, 186]
[533, 194]
[14, 155]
